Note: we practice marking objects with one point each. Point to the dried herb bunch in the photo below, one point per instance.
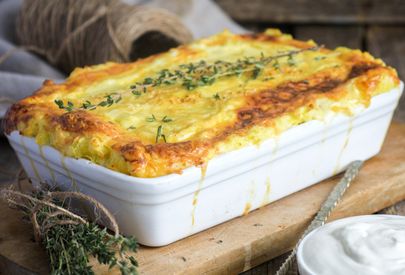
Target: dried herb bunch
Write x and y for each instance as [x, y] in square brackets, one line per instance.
[69, 239]
[197, 74]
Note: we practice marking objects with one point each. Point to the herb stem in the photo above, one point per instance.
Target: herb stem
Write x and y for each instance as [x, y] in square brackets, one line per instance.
[194, 75]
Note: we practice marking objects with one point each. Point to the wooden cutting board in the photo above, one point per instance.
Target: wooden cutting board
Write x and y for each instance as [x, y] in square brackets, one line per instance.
[243, 242]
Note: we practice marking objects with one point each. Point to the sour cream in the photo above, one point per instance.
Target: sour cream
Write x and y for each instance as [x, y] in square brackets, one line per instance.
[369, 245]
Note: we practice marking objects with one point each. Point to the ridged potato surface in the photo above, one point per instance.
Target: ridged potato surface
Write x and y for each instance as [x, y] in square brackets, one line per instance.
[165, 113]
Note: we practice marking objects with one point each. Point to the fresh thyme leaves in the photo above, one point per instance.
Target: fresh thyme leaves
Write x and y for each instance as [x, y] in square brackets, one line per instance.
[291, 61]
[216, 96]
[69, 247]
[197, 74]
[151, 119]
[87, 105]
[68, 107]
[148, 81]
[138, 89]
[159, 134]
[110, 100]
[317, 58]
[137, 93]
[131, 128]
[201, 73]
[165, 119]
[276, 65]
[69, 239]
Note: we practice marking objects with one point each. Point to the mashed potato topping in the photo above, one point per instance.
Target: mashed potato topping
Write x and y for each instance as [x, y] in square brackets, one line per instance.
[170, 111]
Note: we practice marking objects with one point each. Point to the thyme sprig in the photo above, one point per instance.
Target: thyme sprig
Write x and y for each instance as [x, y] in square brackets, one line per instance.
[68, 107]
[159, 134]
[166, 119]
[69, 239]
[152, 118]
[202, 73]
[194, 75]
[107, 101]
[159, 131]
[69, 247]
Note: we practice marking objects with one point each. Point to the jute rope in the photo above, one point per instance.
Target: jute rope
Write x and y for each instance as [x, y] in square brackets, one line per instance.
[72, 33]
[57, 215]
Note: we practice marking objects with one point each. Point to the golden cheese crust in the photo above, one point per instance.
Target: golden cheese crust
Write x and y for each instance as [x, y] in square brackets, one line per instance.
[181, 108]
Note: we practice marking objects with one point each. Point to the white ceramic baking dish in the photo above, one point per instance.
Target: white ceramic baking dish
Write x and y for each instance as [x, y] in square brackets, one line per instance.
[161, 210]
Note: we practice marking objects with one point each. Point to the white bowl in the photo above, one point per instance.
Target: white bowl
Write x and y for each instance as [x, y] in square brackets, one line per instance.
[360, 245]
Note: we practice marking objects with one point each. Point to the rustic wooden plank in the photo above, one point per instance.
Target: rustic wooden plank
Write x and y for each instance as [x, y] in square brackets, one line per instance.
[331, 36]
[388, 43]
[309, 11]
[275, 264]
[9, 267]
[250, 240]
[9, 164]
[260, 270]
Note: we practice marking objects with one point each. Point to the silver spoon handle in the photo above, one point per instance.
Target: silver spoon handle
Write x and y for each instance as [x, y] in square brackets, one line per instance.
[324, 213]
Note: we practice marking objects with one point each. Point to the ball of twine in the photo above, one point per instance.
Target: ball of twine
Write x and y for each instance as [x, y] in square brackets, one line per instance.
[73, 33]
[58, 214]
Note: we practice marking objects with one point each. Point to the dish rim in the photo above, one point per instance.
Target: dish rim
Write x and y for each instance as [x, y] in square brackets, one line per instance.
[253, 151]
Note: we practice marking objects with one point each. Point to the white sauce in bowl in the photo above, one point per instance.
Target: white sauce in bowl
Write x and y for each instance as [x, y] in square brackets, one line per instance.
[369, 245]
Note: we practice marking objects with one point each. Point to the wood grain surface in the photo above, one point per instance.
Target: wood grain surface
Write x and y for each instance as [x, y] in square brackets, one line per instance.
[309, 11]
[331, 36]
[388, 43]
[244, 242]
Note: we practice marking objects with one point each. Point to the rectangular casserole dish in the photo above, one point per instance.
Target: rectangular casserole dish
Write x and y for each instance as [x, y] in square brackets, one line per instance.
[161, 210]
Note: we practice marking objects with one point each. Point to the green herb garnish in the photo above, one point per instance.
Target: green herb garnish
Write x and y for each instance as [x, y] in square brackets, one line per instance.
[135, 92]
[159, 134]
[317, 58]
[69, 239]
[291, 61]
[151, 119]
[68, 107]
[197, 74]
[276, 65]
[69, 246]
[110, 100]
[201, 73]
[87, 105]
[165, 119]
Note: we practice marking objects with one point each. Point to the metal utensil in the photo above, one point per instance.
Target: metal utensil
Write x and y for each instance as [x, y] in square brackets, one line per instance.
[324, 213]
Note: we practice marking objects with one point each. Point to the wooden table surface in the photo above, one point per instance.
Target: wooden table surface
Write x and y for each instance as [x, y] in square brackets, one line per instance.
[241, 243]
